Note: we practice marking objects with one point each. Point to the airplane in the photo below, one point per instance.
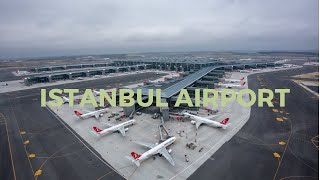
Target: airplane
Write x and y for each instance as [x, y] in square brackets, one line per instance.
[147, 82]
[232, 85]
[197, 120]
[95, 114]
[228, 94]
[244, 71]
[80, 78]
[287, 66]
[278, 67]
[65, 100]
[234, 80]
[256, 70]
[122, 128]
[97, 93]
[154, 149]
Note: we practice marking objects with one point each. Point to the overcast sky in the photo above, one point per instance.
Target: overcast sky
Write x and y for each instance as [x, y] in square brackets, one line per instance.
[61, 27]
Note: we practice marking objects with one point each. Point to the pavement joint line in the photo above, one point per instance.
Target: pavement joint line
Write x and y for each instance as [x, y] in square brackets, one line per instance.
[285, 150]
[302, 160]
[83, 142]
[207, 151]
[13, 167]
[25, 150]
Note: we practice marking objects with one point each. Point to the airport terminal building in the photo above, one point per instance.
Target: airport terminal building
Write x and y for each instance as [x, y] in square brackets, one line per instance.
[65, 72]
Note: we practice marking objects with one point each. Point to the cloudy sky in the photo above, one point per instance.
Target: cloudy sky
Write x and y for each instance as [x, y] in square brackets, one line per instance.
[62, 27]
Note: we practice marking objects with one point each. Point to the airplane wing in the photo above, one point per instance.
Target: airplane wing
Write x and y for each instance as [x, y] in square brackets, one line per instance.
[148, 145]
[212, 116]
[107, 124]
[87, 111]
[198, 124]
[122, 131]
[163, 151]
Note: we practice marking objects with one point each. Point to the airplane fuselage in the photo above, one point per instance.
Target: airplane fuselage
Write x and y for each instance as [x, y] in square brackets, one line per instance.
[156, 149]
[94, 113]
[208, 122]
[230, 85]
[116, 127]
[197, 120]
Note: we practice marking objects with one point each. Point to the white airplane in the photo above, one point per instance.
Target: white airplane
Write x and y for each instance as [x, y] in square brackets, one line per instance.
[228, 94]
[95, 114]
[278, 67]
[95, 92]
[287, 66]
[256, 70]
[122, 128]
[197, 120]
[232, 85]
[154, 149]
[234, 80]
[65, 100]
[244, 71]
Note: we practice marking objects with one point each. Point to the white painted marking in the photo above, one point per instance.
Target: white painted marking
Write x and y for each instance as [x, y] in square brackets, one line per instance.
[83, 142]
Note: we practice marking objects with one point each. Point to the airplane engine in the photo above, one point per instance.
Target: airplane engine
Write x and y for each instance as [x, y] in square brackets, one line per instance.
[193, 122]
[169, 151]
[101, 115]
[126, 129]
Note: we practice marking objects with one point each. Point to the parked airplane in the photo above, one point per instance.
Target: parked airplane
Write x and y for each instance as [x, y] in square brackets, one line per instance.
[122, 128]
[244, 71]
[228, 94]
[154, 149]
[287, 66]
[234, 80]
[197, 120]
[232, 85]
[97, 93]
[65, 100]
[95, 114]
[256, 70]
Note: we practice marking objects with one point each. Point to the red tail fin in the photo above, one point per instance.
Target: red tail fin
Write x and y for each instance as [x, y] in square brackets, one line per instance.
[77, 113]
[135, 155]
[242, 78]
[225, 121]
[97, 129]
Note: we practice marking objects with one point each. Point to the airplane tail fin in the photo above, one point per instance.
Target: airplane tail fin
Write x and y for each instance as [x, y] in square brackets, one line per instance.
[242, 79]
[135, 155]
[97, 130]
[77, 113]
[243, 83]
[225, 121]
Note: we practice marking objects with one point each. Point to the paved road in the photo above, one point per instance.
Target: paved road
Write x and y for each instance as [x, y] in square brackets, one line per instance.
[52, 147]
[250, 153]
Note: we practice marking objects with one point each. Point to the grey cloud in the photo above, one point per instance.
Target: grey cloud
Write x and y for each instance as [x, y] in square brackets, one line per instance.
[60, 27]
